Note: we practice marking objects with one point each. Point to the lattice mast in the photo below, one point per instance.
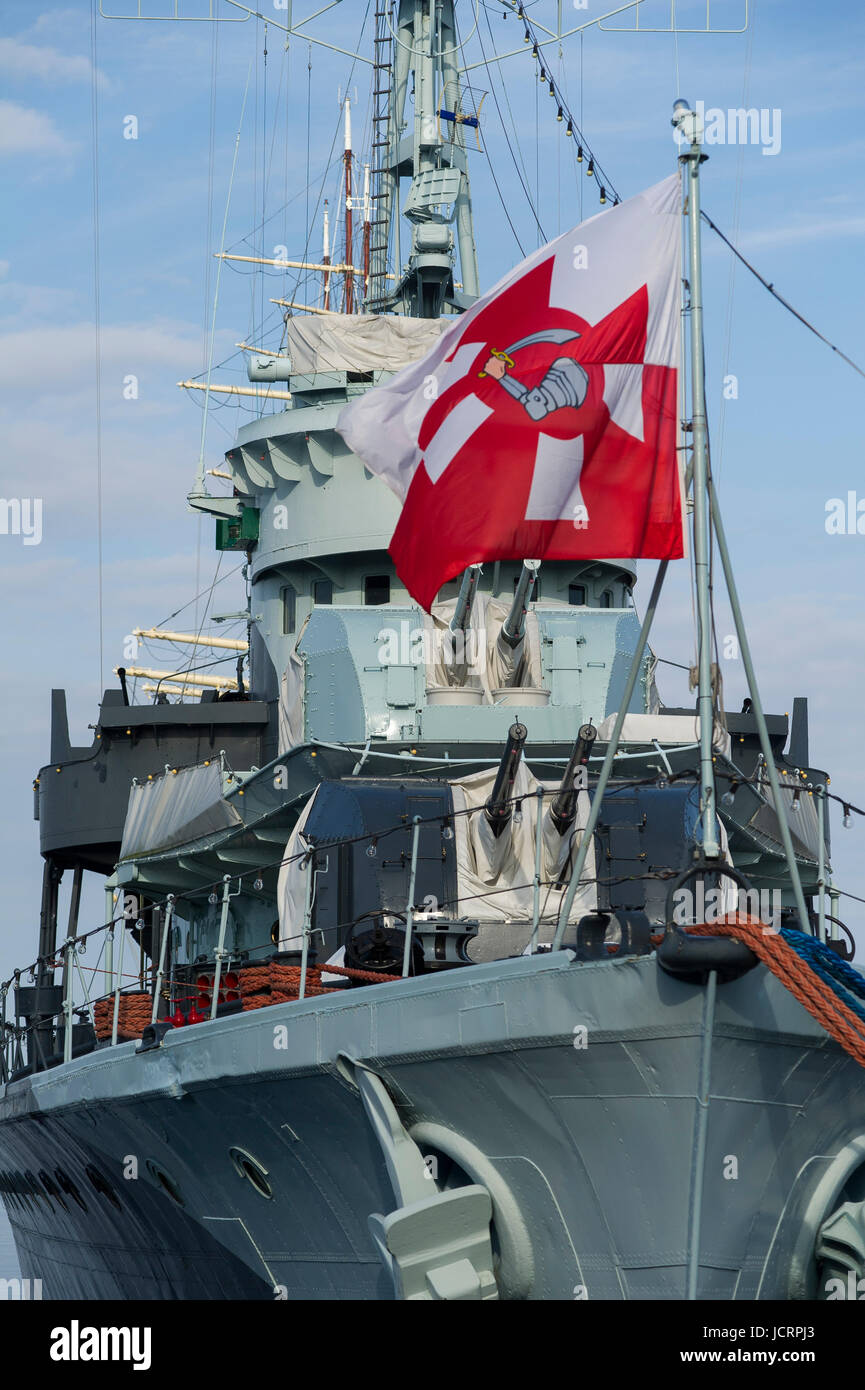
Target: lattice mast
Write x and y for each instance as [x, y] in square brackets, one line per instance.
[383, 180]
[409, 141]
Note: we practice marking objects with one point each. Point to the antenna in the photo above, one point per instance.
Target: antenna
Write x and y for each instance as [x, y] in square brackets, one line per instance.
[666, 12]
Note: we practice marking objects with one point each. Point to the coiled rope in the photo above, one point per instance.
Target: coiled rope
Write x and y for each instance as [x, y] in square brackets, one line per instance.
[258, 986]
[802, 966]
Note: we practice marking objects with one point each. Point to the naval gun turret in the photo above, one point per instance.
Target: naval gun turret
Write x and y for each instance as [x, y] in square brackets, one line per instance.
[563, 811]
[514, 626]
[463, 612]
[457, 635]
[498, 809]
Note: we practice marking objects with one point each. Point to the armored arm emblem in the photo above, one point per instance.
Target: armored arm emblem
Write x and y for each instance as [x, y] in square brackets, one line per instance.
[566, 382]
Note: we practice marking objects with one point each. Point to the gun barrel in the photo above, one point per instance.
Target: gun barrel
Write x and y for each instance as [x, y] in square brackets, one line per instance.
[563, 811]
[498, 808]
[514, 625]
[462, 613]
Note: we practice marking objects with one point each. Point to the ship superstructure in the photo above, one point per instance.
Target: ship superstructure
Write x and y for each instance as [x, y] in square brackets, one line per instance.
[395, 1004]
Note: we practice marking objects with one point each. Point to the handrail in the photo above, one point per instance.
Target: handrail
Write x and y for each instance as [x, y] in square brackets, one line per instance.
[12, 1036]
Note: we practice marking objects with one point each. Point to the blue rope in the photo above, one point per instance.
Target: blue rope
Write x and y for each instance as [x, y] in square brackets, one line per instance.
[830, 967]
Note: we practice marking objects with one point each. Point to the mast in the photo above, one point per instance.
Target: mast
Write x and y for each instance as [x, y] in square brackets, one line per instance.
[422, 140]
[325, 259]
[349, 278]
[707, 513]
[366, 229]
[688, 122]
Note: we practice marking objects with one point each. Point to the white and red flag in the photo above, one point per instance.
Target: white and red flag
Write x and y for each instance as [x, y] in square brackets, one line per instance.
[544, 422]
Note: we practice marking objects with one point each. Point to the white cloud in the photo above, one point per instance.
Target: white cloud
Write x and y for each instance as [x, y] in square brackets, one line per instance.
[24, 130]
[65, 353]
[22, 303]
[27, 60]
[818, 229]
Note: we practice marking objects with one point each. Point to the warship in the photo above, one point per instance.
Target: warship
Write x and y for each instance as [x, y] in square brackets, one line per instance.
[410, 984]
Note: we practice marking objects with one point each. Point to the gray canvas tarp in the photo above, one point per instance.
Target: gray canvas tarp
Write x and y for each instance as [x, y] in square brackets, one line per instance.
[358, 342]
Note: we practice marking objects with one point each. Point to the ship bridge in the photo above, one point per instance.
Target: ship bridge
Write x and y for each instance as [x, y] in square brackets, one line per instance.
[335, 638]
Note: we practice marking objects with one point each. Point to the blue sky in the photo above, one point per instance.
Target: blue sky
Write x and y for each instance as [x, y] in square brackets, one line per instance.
[791, 440]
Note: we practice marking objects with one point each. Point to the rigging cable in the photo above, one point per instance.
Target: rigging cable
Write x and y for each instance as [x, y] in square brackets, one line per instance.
[514, 126]
[493, 172]
[199, 480]
[573, 127]
[97, 331]
[301, 274]
[780, 298]
[522, 180]
[187, 670]
[208, 232]
[191, 601]
[264, 165]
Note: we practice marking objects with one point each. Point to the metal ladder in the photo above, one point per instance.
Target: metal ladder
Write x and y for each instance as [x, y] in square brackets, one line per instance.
[382, 179]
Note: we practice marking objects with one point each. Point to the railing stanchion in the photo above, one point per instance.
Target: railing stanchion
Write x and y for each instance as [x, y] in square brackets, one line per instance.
[307, 923]
[834, 930]
[4, 1051]
[220, 949]
[117, 983]
[109, 960]
[409, 913]
[109, 944]
[536, 904]
[67, 1002]
[821, 862]
[160, 974]
[85, 988]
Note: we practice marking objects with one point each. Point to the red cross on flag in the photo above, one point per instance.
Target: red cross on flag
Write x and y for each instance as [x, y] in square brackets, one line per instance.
[544, 421]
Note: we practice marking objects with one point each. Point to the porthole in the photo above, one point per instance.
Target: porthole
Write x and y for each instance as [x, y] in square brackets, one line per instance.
[248, 1167]
[165, 1181]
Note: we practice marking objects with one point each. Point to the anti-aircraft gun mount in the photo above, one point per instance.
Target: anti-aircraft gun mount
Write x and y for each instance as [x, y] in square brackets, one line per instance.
[563, 811]
[499, 808]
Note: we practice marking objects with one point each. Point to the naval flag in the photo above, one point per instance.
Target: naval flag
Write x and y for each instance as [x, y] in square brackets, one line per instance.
[544, 421]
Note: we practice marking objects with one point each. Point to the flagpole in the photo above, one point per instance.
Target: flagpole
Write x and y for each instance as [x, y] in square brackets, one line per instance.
[687, 122]
[706, 507]
[607, 765]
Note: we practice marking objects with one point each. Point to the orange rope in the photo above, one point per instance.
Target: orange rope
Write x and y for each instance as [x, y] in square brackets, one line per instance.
[258, 986]
[253, 978]
[813, 994]
[373, 976]
[133, 1016]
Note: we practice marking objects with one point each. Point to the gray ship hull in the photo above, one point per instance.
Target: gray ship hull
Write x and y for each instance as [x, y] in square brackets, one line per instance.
[590, 1153]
